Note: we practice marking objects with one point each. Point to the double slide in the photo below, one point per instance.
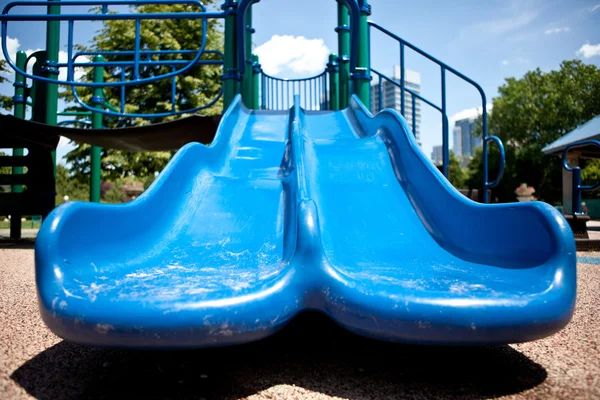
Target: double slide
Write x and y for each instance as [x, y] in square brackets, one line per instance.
[337, 212]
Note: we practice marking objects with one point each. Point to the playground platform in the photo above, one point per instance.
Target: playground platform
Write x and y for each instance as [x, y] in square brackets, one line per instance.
[325, 362]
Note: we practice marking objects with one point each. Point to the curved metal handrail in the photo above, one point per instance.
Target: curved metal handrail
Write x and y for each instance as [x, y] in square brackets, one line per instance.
[280, 91]
[502, 165]
[443, 68]
[5, 17]
[148, 53]
[577, 188]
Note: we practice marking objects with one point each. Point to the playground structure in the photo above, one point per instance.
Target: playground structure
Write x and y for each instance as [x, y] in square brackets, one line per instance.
[303, 201]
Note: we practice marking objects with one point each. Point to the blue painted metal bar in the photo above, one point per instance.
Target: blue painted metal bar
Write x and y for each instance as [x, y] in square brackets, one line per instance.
[402, 82]
[173, 91]
[70, 68]
[137, 54]
[414, 115]
[445, 133]
[577, 187]
[500, 174]
[136, 57]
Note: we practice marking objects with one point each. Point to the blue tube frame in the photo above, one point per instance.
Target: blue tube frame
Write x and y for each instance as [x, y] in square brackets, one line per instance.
[577, 187]
[445, 128]
[5, 17]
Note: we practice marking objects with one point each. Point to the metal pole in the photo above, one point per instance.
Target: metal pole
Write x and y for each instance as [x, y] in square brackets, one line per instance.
[362, 76]
[96, 151]
[19, 112]
[334, 83]
[576, 187]
[256, 70]
[445, 141]
[52, 49]
[247, 80]
[230, 72]
[343, 59]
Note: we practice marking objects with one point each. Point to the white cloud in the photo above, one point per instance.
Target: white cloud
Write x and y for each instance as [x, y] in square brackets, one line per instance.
[596, 7]
[589, 50]
[557, 30]
[293, 53]
[12, 45]
[504, 62]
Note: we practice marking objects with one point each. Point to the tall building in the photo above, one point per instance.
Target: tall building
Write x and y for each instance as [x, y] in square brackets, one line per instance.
[437, 156]
[465, 139]
[391, 97]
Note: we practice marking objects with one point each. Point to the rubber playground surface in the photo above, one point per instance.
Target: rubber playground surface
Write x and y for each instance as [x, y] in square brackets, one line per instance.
[311, 358]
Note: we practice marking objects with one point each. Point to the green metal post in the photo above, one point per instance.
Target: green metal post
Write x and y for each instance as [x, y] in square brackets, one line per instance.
[362, 77]
[95, 152]
[247, 80]
[52, 49]
[19, 112]
[256, 70]
[334, 82]
[343, 59]
[230, 72]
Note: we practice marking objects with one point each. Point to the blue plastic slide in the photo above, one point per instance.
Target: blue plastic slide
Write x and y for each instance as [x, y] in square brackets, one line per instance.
[338, 212]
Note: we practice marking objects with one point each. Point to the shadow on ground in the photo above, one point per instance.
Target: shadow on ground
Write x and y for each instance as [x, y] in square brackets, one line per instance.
[9, 244]
[312, 353]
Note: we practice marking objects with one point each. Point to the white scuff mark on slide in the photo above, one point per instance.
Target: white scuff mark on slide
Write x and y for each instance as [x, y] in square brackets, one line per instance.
[103, 329]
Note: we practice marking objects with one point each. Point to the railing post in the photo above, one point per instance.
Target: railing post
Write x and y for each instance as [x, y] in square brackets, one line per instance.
[247, 79]
[343, 31]
[230, 71]
[576, 191]
[256, 71]
[334, 82]
[96, 151]
[19, 112]
[445, 134]
[52, 49]
[361, 77]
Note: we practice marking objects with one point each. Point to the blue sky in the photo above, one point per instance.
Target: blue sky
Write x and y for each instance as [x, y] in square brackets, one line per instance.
[486, 40]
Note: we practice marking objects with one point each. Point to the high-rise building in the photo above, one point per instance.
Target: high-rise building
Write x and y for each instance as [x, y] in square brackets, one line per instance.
[391, 97]
[437, 156]
[465, 139]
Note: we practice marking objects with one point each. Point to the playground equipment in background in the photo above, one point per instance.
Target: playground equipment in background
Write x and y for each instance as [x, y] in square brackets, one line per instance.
[327, 209]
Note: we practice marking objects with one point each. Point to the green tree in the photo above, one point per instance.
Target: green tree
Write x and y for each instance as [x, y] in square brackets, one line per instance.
[197, 87]
[5, 101]
[456, 174]
[532, 112]
[67, 186]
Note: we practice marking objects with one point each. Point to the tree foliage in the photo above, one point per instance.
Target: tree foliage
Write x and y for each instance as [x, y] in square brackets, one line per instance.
[456, 174]
[530, 113]
[197, 87]
[5, 101]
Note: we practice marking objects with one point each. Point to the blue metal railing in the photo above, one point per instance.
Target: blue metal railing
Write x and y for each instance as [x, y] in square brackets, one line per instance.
[278, 93]
[442, 108]
[130, 64]
[577, 187]
[5, 17]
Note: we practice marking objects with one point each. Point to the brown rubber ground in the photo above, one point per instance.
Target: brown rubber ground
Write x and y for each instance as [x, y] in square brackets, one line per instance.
[312, 358]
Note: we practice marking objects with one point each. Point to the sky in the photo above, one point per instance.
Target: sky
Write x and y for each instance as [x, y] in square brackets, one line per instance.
[488, 41]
